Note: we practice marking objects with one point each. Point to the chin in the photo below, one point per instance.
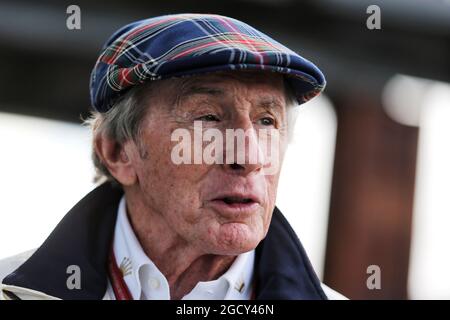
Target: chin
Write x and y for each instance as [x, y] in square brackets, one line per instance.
[236, 238]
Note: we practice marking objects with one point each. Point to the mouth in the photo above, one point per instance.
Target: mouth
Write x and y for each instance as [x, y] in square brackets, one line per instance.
[236, 200]
[235, 205]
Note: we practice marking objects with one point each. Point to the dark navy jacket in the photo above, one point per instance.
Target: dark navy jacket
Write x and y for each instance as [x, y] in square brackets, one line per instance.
[84, 237]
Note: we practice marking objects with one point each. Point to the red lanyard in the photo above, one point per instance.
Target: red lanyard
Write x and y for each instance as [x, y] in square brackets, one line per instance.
[119, 286]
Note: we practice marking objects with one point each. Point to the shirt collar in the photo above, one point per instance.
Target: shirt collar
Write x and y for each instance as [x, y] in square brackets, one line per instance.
[129, 253]
[234, 284]
[145, 280]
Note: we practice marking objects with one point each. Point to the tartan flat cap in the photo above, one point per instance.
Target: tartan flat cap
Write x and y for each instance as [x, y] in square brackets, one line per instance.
[188, 44]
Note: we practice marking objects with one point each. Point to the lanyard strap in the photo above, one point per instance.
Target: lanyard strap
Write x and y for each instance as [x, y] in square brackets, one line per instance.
[119, 286]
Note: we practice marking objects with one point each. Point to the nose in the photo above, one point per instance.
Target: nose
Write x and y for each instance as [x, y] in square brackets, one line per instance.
[243, 152]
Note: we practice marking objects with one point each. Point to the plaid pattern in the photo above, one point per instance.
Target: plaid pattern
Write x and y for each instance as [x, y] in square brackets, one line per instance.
[187, 44]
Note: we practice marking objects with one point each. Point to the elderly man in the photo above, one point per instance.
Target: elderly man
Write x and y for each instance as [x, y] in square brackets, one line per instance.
[205, 226]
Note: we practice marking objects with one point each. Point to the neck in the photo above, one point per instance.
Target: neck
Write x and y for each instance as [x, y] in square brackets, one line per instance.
[182, 264]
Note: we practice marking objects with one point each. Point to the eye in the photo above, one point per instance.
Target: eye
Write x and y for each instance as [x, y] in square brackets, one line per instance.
[208, 117]
[266, 121]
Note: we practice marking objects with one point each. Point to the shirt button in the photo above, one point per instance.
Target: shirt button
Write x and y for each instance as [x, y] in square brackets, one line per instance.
[154, 283]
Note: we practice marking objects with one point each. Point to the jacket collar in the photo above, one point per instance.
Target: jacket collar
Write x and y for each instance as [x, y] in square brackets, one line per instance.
[84, 236]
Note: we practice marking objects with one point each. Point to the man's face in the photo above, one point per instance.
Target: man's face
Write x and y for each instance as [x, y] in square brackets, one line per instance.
[218, 208]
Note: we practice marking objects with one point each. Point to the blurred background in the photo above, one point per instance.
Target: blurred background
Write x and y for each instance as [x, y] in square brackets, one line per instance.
[366, 180]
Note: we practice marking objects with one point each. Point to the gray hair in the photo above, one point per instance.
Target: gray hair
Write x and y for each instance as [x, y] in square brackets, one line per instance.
[123, 121]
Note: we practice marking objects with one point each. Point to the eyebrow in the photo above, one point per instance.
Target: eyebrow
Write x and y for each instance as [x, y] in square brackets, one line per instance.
[187, 89]
[270, 103]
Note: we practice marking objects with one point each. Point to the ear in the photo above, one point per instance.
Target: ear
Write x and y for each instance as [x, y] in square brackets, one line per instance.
[117, 159]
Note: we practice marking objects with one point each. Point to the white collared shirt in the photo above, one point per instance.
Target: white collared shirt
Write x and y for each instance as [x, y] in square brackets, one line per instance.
[146, 282]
